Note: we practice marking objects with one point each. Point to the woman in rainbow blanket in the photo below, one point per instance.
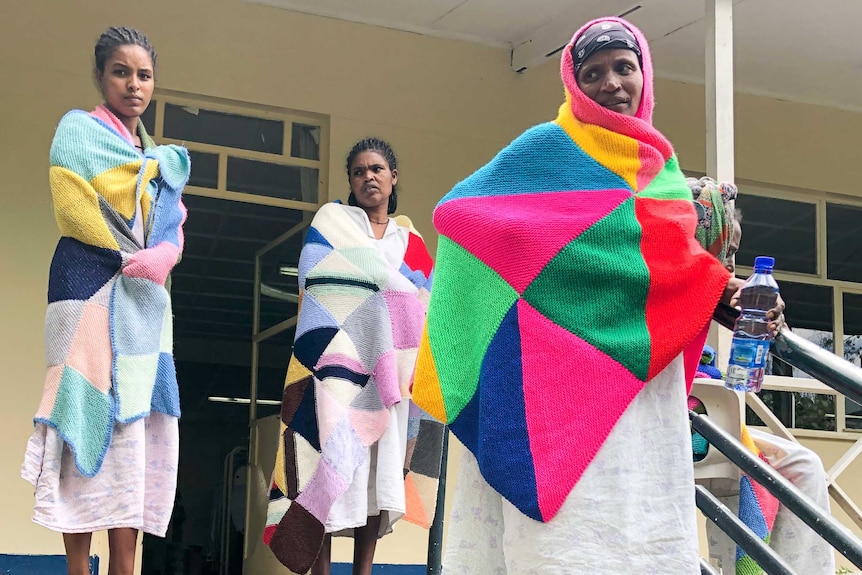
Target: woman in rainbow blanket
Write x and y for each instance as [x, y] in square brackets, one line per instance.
[104, 452]
[568, 289]
[355, 454]
[719, 231]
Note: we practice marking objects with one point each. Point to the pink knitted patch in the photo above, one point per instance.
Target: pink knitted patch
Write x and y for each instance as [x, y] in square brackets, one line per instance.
[90, 353]
[562, 216]
[407, 316]
[329, 411]
[652, 162]
[691, 357]
[554, 420]
[153, 263]
[767, 501]
[387, 378]
[108, 117]
[322, 490]
[369, 425]
[350, 362]
[49, 392]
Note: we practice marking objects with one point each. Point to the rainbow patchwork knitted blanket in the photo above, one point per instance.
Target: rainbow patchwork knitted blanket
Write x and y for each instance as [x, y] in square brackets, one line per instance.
[108, 323]
[567, 276]
[757, 509]
[360, 323]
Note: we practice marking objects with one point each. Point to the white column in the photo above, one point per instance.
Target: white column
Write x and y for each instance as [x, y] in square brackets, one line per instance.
[719, 89]
[719, 120]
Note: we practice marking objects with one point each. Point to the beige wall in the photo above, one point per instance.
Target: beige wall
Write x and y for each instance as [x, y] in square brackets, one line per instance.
[446, 106]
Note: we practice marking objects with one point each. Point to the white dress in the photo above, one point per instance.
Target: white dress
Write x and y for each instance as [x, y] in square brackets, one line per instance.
[135, 487]
[633, 510]
[806, 552]
[378, 485]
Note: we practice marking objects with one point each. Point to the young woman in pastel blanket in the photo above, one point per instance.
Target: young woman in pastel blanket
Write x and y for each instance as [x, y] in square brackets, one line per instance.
[355, 455]
[103, 455]
[568, 287]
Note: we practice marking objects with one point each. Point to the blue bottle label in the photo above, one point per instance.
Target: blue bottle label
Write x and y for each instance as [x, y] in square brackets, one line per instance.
[749, 353]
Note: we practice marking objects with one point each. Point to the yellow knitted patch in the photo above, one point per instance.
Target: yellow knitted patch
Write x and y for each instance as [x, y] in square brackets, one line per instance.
[617, 153]
[146, 204]
[119, 185]
[295, 371]
[747, 441]
[76, 208]
[426, 389]
[278, 476]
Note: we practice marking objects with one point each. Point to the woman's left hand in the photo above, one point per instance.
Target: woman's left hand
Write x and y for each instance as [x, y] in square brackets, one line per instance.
[775, 315]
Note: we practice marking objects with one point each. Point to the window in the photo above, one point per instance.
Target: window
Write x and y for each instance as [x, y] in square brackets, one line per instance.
[843, 231]
[256, 173]
[783, 229]
[817, 245]
[242, 153]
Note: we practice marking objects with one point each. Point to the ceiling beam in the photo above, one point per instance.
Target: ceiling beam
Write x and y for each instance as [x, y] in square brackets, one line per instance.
[547, 40]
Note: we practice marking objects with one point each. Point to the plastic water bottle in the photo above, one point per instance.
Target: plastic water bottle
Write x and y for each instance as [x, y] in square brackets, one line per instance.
[751, 338]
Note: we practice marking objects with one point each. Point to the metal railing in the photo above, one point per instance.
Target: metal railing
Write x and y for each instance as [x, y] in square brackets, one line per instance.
[831, 370]
[834, 372]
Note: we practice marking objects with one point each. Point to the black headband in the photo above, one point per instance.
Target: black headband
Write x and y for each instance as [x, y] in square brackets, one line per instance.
[601, 36]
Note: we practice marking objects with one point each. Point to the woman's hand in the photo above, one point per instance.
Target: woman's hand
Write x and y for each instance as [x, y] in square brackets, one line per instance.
[775, 315]
[731, 291]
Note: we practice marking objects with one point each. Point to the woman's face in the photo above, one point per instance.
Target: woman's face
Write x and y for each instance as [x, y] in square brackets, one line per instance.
[127, 81]
[735, 237]
[371, 180]
[613, 78]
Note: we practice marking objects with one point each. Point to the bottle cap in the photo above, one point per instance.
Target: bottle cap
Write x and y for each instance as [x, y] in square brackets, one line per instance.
[764, 263]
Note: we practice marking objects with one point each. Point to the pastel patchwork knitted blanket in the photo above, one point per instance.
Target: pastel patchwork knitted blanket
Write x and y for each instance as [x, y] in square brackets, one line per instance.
[360, 323]
[567, 276]
[108, 324]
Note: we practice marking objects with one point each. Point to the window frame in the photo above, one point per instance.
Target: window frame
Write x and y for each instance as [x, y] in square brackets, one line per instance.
[821, 278]
[839, 287]
[162, 97]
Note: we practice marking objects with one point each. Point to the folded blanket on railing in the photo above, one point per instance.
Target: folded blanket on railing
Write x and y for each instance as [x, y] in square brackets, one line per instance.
[359, 327]
[108, 324]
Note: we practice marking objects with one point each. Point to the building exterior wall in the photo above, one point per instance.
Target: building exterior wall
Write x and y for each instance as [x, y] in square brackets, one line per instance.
[446, 106]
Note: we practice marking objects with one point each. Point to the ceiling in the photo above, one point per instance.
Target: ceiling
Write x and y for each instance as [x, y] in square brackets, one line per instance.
[791, 49]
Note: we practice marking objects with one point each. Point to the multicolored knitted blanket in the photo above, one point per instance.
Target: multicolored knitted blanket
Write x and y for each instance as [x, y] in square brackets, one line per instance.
[108, 324]
[757, 509]
[567, 276]
[360, 323]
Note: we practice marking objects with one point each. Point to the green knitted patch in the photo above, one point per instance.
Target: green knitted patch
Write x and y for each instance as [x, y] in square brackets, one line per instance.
[473, 319]
[78, 401]
[747, 566]
[669, 184]
[597, 288]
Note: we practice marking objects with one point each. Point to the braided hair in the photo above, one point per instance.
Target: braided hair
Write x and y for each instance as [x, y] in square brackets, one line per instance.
[117, 36]
[385, 150]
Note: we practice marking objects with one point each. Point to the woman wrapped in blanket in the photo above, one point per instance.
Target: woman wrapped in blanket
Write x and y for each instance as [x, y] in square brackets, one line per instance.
[103, 455]
[719, 232]
[568, 288]
[355, 455]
